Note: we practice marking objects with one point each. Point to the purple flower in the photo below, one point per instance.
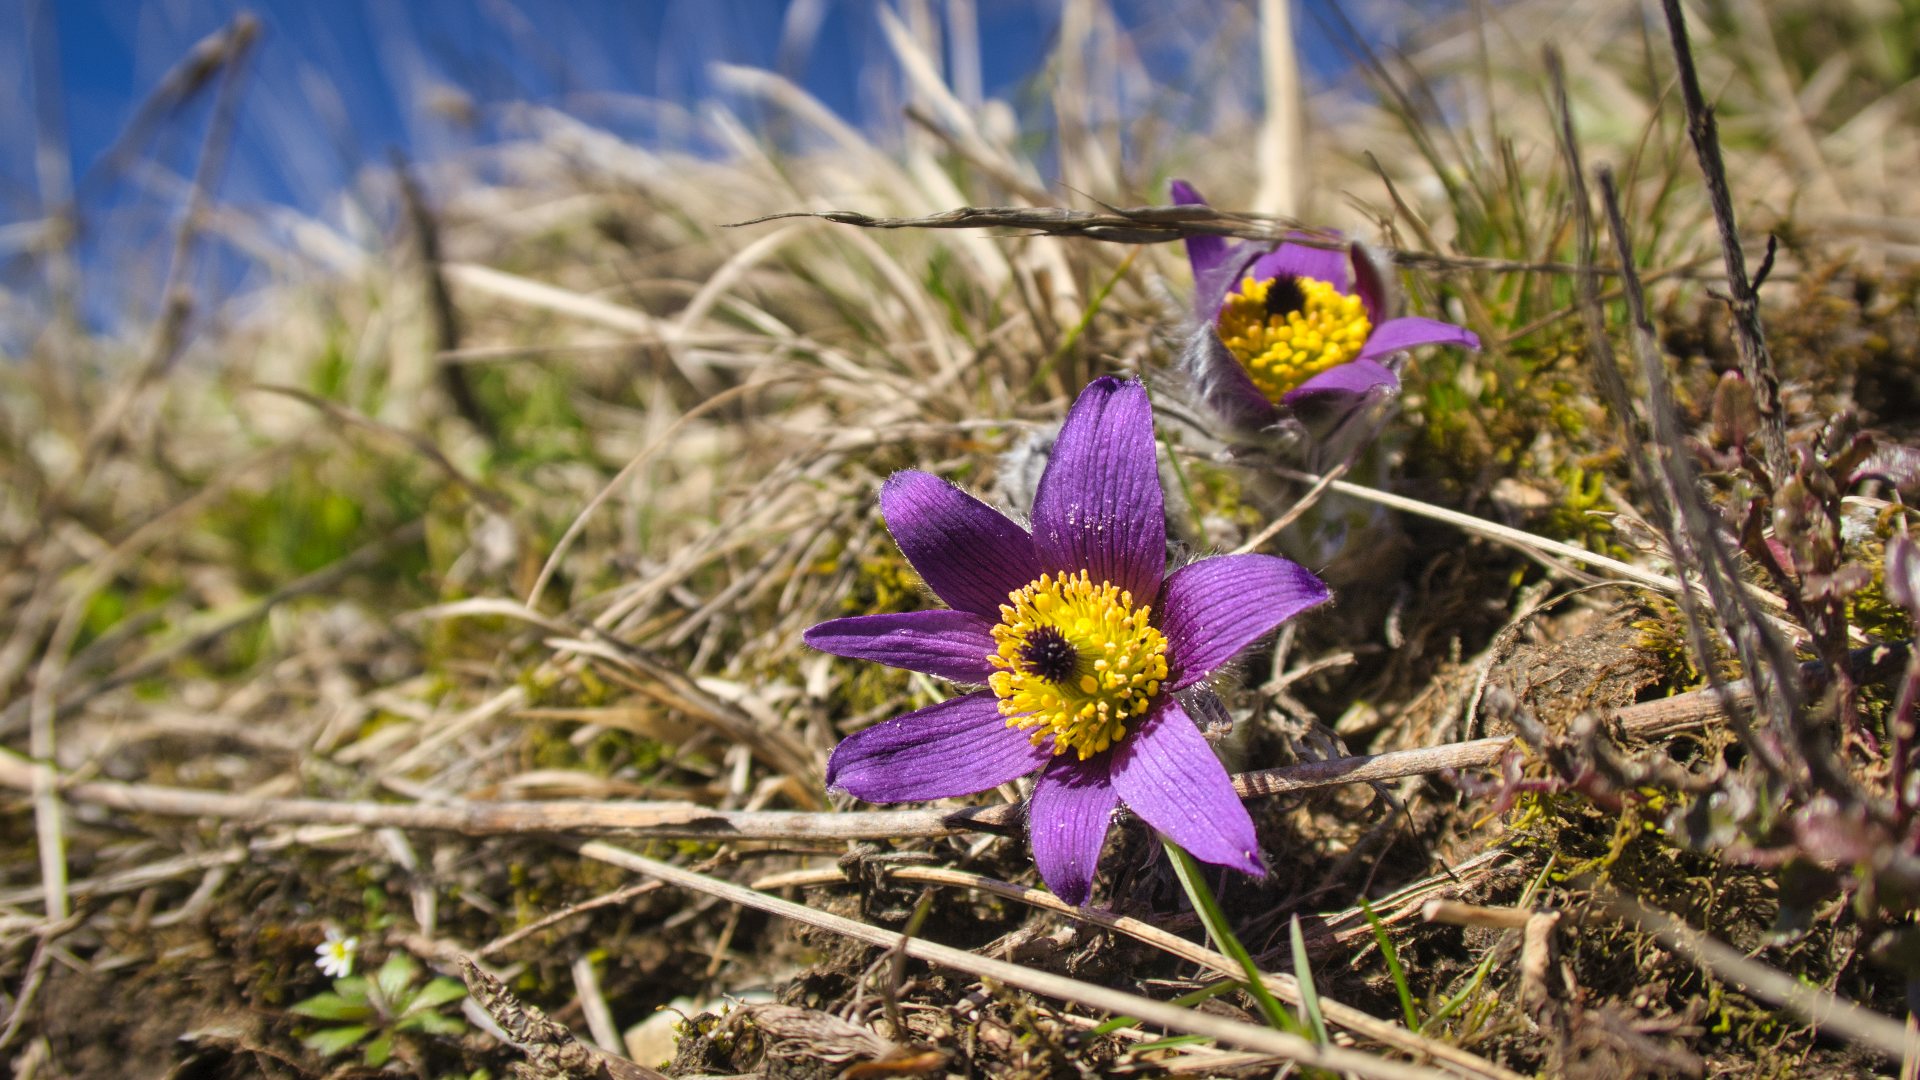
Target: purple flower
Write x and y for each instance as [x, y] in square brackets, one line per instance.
[1082, 640]
[1278, 328]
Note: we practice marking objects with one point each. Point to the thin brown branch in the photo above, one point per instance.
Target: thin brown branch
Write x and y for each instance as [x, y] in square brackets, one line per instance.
[1756, 363]
[1370, 768]
[1664, 479]
[688, 821]
[1692, 529]
[1151, 225]
[1823, 1009]
[444, 315]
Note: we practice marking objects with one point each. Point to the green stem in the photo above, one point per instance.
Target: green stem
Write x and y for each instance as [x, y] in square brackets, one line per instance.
[1215, 920]
[1394, 969]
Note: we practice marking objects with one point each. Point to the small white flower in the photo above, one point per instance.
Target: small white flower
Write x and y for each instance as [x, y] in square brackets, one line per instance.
[336, 954]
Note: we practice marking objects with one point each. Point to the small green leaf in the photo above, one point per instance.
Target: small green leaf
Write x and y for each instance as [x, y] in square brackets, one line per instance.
[380, 1050]
[433, 1023]
[396, 975]
[1185, 1001]
[330, 1041]
[435, 994]
[332, 1007]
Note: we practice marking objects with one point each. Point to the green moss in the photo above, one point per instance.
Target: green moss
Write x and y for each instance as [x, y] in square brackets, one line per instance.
[1581, 513]
[1663, 635]
[316, 512]
[1870, 609]
[534, 412]
[884, 583]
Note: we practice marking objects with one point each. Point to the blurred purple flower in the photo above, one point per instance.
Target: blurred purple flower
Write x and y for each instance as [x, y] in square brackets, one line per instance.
[1081, 680]
[1278, 328]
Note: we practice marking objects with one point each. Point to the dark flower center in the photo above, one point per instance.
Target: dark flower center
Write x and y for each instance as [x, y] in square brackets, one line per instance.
[1285, 296]
[1048, 654]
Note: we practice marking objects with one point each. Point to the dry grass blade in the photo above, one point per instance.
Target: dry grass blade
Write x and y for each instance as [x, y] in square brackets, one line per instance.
[419, 444]
[1158, 1013]
[1518, 539]
[1533, 544]
[560, 546]
[1282, 146]
[1285, 987]
[1299, 508]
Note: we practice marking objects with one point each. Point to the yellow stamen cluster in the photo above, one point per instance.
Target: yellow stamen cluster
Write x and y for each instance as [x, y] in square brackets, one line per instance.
[1283, 348]
[1077, 662]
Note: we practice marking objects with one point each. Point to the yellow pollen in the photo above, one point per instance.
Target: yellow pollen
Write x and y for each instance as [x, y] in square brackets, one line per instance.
[1282, 349]
[1077, 662]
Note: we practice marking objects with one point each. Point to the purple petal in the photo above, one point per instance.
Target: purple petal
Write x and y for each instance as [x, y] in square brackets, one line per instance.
[1204, 253]
[1299, 260]
[1213, 609]
[1370, 279]
[1397, 334]
[1224, 383]
[950, 644]
[1211, 288]
[1166, 773]
[967, 552]
[1072, 803]
[1099, 506]
[1360, 376]
[957, 747]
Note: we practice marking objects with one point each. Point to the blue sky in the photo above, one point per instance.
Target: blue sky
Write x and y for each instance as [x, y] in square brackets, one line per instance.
[356, 74]
[334, 85]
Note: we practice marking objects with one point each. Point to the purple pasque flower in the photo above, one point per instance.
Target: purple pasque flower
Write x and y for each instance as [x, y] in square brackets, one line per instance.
[1279, 328]
[1082, 640]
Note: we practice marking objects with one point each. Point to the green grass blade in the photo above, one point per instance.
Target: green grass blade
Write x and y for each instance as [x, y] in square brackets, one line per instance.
[1094, 304]
[1394, 969]
[1215, 921]
[1303, 972]
[1191, 997]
